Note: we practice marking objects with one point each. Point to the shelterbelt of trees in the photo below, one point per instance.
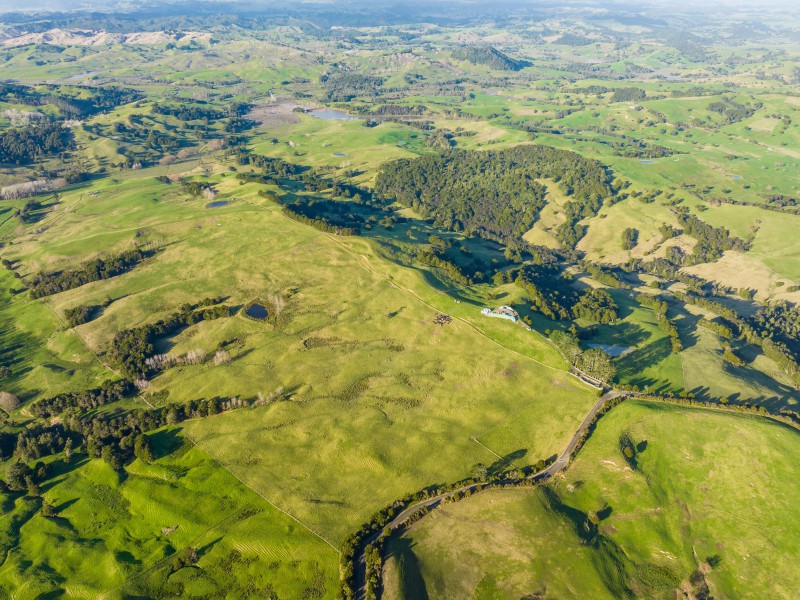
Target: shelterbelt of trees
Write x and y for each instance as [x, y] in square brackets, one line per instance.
[70, 101]
[496, 194]
[45, 284]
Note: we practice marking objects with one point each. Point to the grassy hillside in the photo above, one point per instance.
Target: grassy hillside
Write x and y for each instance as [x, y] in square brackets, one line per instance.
[687, 510]
[234, 159]
[371, 382]
[120, 536]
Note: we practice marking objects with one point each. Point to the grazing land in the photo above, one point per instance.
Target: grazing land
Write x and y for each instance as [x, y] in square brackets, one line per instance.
[684, 513]
[244, 255]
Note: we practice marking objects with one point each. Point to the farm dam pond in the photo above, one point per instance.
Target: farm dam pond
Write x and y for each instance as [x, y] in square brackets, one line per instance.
[257, 311]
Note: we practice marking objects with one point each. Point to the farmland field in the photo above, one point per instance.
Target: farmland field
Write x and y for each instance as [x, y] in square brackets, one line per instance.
[252, 260]
[691, 504]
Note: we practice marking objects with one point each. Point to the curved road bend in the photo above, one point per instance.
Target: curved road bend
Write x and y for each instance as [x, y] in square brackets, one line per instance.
[561, 462]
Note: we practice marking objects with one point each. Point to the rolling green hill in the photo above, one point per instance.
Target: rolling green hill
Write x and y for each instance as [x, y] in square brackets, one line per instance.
[245, 262]
[689, 512]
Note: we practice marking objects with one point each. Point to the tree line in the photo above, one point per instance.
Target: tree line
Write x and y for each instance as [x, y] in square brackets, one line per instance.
[114, 438]
[130, 349]
[378, 531]
[46, 284]
[762, 329]
[71, 102]
[295, 212]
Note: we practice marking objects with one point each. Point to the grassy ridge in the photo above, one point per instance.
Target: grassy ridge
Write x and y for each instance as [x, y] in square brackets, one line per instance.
[377, 400]
[119, 536]
[720, 504]
[374, 383]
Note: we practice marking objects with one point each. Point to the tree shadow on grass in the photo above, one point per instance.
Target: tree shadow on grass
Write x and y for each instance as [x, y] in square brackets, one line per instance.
[54, 594]
[60, 468]
[65, 505]
[687, 324]
[610, 561]
[501, 465]
[123, 556]
[205, 549]
[625, 304]
[632, 365]
[629, 335]
[412, 584]
[165, 442]
[605, 512]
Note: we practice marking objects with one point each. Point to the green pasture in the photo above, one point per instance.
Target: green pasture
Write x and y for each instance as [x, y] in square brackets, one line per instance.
[720, 505]
[372, 384]
[117, 537]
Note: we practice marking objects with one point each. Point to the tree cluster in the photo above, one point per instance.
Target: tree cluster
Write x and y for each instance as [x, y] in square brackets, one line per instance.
[130, 348]
[604, 275]
[630, 237]
[294, 212]
[780, 321]
[189, 112]
[46, 284]
[31, 188]
[108, 392]
[71, 102]
[78, 315]
[597, 306]
[711, 241]
[721, 329]
[594, 362]
[25, 145]
[548, 292]
[493, 194]
[631, 94]
[275, 167]
[487, 56]
[344, 87]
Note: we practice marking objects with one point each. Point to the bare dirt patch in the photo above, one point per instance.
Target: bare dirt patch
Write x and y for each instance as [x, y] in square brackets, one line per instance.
[274, 113]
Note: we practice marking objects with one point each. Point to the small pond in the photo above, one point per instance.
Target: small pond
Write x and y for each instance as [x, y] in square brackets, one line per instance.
[331, 114]
[257, 311]
[217, 204]
[613, 351]
[647, 162]
[339, 154]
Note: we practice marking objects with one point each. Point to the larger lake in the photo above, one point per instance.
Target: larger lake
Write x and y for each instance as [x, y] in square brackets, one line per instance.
[331, 114]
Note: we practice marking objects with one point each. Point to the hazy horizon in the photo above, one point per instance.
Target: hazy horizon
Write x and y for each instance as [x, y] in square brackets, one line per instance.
[71, 6]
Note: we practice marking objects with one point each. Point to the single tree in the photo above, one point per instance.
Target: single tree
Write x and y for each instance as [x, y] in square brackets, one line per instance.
[32, 488]
[112, 457]
[8, 401]
[142, 449]
[16, 474]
